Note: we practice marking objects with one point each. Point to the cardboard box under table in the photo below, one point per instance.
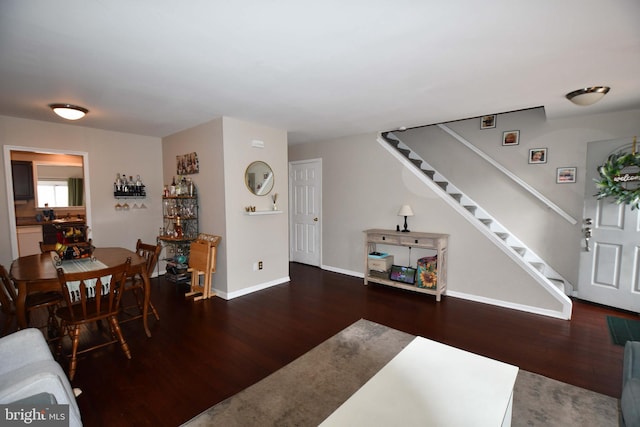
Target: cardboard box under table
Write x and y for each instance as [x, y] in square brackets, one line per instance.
[379, 265]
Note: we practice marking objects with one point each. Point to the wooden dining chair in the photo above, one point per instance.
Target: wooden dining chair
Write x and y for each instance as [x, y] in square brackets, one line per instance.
[91, 296]
[34, 301]
[135, 283]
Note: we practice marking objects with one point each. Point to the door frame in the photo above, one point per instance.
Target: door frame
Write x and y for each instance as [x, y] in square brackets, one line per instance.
[584, 270]
[11, 212]
[317, 161]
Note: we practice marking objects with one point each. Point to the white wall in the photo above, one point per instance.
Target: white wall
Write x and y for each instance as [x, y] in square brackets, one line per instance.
[207, 142]
[364, 187]
[262, 237]
[224, 152]
[109, 153]
[549, 235]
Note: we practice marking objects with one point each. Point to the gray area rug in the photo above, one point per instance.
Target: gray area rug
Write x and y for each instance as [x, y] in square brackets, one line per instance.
[309, 389]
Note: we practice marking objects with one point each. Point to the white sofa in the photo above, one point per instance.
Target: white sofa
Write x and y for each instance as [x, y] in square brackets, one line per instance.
[27, 370]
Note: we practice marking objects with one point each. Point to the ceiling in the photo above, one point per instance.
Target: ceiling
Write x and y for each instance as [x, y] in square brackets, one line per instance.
[321, 70]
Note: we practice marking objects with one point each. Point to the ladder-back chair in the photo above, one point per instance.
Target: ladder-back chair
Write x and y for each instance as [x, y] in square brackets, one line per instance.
[9, 295]
[135, 284]
[91, 296]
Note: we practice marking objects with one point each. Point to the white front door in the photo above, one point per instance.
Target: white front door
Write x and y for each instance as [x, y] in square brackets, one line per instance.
[610, 268]
[305, 191]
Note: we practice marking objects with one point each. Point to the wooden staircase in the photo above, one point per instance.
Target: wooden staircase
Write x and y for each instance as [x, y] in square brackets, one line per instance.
[522, 255]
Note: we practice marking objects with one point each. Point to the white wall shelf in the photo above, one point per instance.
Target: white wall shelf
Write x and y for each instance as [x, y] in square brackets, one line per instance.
[263, 213]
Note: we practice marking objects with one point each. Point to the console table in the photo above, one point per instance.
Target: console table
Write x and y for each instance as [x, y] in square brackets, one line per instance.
[433, 241]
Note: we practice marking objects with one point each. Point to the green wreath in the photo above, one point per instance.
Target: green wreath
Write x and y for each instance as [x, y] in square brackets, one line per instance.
[609, 186]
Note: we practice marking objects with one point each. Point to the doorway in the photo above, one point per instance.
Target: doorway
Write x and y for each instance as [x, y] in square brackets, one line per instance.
[610, 258]
[305, 211]
[53, 153]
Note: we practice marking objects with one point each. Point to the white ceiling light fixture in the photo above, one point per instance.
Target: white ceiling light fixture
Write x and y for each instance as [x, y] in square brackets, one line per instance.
[588, 95]
[69, 111]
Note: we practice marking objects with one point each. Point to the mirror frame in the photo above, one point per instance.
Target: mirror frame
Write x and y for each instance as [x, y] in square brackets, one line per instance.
[270, 184]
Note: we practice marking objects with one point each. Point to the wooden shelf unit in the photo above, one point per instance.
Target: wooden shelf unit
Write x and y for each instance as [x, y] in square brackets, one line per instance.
[433, 241]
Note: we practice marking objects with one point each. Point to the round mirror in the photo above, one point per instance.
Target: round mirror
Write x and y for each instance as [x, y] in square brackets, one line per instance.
[259, 178]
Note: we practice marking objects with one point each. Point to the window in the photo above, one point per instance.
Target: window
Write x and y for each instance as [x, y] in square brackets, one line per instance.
[54, 193]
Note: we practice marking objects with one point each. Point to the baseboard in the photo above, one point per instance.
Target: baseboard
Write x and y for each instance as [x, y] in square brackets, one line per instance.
[470, 297]
[342, 271]
[506, 304]
[246, 291]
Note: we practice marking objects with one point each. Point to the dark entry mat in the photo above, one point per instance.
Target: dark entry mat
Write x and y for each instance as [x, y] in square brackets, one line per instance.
[623, 330]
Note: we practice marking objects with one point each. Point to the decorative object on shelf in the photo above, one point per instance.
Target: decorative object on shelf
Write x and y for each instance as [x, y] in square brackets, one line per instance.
[620, 178]
[566, 175]
[187, 164]
[511, 137]
[405, 211]
[587, 95]
[274, 197]
[250, 208]
[259, 178]
[128, 187]
[488, 122]
[69, 111]
[537, 156]
[427, 275]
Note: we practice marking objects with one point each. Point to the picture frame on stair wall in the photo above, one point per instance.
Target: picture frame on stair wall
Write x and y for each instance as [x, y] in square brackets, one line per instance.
[511, 137]
[566, 175]
[537, 156]
[488, 122]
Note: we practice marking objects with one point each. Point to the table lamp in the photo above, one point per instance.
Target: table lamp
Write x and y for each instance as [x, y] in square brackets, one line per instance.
[405, 211]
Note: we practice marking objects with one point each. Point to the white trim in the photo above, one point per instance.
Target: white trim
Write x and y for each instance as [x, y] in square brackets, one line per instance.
[252, 289]
[506, 304]
[13, 237]
[557, 209]
[491, 235]
[342, 271]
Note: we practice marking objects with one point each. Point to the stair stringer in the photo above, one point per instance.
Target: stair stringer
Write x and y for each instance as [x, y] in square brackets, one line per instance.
[524, 257]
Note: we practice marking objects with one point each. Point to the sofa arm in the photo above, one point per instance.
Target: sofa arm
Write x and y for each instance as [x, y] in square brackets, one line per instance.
[22, 348]
[631, 363]
[38, 377]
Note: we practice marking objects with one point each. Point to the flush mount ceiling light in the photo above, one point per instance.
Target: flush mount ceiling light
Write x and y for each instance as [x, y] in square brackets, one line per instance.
[588, 95]
[68, 111]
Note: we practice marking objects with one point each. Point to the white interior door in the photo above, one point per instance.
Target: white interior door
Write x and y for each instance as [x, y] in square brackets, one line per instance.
[609, 269]
[305, 190]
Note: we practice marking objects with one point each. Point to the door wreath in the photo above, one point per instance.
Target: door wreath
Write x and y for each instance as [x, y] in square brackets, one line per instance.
[620, 179]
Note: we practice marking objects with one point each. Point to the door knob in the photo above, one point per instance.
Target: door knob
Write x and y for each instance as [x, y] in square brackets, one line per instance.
[315, 219]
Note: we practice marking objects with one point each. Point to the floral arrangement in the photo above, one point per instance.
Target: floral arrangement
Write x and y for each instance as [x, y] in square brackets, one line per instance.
[614, 181]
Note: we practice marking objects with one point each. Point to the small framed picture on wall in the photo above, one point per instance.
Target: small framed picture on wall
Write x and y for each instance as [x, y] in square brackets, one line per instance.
[538, 155]
[511, 137]
[488, 122]
[566, 175]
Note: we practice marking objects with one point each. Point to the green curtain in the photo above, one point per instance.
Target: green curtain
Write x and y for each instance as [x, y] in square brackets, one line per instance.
[76, 192]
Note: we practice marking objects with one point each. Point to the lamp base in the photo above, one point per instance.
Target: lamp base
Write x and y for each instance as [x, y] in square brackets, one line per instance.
[405, 225]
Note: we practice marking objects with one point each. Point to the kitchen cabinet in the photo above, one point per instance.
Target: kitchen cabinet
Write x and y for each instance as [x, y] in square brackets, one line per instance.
[22, 175]
[29, 238]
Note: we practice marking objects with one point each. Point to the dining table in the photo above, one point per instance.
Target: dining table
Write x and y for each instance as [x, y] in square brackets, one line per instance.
[38, 273]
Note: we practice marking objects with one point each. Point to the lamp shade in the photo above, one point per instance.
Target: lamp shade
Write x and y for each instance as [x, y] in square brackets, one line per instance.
[405, 210]
[588, 95]
[69, 111]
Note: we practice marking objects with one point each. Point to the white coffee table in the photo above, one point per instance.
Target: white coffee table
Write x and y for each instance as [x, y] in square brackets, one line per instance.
[432, 384]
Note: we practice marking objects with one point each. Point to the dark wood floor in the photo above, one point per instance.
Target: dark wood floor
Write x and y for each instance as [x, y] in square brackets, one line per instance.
[203, 352]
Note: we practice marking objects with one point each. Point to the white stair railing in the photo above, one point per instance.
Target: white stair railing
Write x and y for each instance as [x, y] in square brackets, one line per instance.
[555, 284]
[511, 175]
